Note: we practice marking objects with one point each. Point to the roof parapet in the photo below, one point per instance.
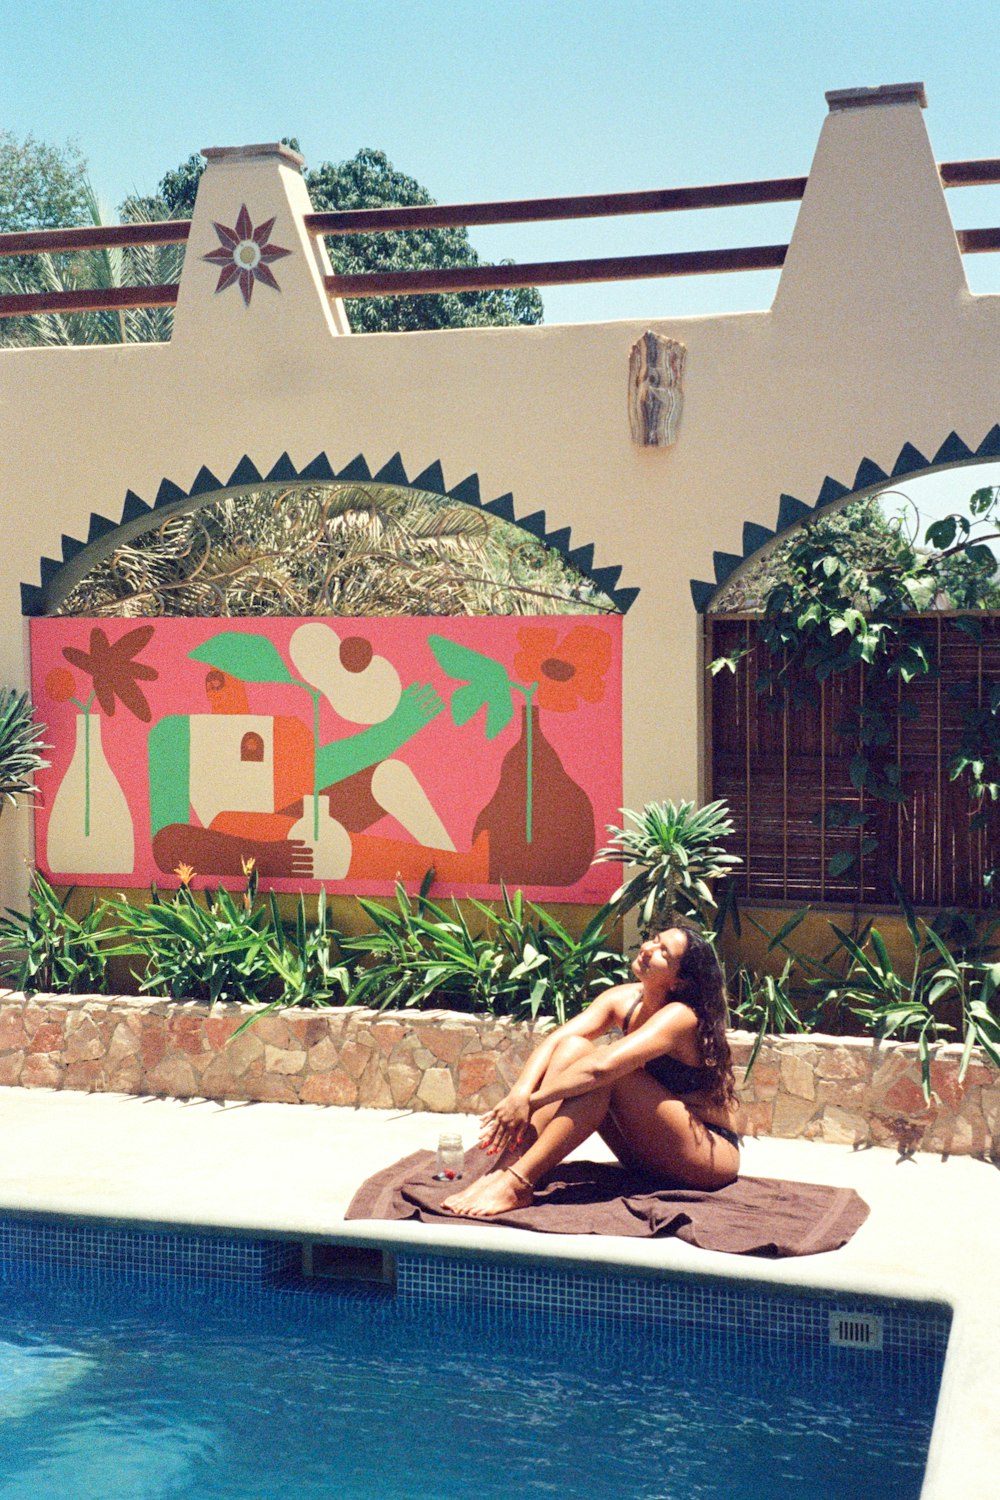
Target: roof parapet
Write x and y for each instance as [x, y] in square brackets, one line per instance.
[266, 148]
[884, 93]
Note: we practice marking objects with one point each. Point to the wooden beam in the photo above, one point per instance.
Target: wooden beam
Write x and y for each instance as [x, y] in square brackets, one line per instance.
[984, 170]
[556, 273]
[977, 241]
[26, 303]
[533, 210]
[94, 237]
[970, 173]
[603, 205]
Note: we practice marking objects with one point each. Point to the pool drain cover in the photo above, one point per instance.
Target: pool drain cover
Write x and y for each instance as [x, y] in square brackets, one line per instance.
[851, 1330]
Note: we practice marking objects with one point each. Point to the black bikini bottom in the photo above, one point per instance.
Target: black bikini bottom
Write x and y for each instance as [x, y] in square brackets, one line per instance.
[725, 1132]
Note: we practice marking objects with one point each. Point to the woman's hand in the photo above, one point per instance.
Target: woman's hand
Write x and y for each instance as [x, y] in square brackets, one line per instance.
[502, 1127]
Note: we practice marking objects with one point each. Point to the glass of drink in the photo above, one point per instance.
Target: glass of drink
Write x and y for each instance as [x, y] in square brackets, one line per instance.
[450, 1158]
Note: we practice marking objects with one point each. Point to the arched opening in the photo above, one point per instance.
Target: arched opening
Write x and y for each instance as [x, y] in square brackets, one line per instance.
[321, 484]
[331, 549]
[861, 771]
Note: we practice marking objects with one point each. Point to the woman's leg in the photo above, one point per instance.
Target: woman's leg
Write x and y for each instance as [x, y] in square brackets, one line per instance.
[656, 1132]
[551, 1134]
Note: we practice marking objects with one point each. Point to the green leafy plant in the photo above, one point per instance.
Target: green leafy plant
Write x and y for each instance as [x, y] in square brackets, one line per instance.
[47, 949]
[419, 951]
[521, 962]
[769, 1004]
[21, 746]
[890, 1002]
[949, 969]
[974, 984]
[306, 960]
[210, 949]
[765, 1004]
[677, 849]
[546, 968]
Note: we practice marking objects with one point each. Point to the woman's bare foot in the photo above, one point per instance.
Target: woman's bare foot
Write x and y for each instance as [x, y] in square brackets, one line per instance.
[496, 1193]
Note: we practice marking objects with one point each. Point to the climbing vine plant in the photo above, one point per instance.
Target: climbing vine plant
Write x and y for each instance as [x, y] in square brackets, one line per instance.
[827, 607]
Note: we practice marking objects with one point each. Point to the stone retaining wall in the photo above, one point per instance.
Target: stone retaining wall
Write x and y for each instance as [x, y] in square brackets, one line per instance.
[846, 1090]
[854, 1091]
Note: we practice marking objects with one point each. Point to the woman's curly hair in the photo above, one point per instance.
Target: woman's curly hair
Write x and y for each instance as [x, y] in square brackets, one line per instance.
[705, 992]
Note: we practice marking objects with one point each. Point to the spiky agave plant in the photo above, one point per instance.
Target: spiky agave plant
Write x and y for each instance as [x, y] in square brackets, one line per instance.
[676, 849]
[21, 744]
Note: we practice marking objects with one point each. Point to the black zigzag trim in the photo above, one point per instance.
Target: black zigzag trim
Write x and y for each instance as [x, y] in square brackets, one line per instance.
[910, 463]
[35, 599]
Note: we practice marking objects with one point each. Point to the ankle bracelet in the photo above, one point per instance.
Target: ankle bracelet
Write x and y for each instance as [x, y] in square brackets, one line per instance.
[522, 1179]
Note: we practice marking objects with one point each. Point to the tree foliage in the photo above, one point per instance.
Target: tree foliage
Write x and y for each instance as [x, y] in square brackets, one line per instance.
[860, 534]
[44, 186]
[337, 549]
[90, 270]
[369, 180]
[41, 186]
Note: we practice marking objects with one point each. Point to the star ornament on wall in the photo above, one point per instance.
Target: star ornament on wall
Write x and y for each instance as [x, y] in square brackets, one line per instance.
[245, 255]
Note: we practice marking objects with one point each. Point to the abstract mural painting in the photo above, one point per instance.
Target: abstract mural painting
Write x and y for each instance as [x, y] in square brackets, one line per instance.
[347, 753]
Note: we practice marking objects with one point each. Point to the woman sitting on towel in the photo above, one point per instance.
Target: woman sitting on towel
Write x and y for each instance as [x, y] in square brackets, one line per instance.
[662, 1096]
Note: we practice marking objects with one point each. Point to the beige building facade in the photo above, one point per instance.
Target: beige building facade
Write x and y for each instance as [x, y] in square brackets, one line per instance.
[873, 343]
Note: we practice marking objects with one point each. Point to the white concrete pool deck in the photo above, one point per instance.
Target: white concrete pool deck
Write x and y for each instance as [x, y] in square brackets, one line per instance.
[933, 1232]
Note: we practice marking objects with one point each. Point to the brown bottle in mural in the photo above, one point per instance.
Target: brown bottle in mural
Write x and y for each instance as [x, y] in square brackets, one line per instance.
[562, 841]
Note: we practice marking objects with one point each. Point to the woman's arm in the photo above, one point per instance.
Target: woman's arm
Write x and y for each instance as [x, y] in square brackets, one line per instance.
[600, 1017]
[504, 1123]
[668, 1031]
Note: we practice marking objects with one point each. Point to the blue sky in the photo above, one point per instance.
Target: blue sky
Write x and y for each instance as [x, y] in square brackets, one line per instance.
[515, 98]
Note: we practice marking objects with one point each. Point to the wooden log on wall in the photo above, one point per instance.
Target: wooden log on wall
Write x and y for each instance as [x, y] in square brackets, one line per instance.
[655, 394]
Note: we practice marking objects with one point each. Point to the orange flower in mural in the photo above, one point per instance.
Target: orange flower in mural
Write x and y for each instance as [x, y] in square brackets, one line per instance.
[60, 684]
[114, 673]
[567, 671]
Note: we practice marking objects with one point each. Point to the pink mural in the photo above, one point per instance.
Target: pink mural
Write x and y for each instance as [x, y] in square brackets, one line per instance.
[347, 753]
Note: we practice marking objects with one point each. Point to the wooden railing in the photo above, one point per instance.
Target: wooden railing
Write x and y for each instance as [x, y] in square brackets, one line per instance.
[470, 215]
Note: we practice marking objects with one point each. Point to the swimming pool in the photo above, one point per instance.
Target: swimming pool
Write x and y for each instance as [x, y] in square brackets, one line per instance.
[137, 1364]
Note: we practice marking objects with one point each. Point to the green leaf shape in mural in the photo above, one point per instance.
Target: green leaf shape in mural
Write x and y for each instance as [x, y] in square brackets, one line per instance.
[486, 682]
[252, 658]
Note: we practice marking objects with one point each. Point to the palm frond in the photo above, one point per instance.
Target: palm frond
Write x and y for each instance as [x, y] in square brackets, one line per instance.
[352, 549]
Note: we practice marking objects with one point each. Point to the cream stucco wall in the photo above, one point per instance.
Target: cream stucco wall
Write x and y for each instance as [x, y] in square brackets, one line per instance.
[873, 340]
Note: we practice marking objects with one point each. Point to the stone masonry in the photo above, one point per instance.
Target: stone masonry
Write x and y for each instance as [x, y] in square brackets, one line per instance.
[846, 1090]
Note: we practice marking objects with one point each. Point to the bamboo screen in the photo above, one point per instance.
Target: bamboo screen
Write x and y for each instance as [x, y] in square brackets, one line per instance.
[785, 772]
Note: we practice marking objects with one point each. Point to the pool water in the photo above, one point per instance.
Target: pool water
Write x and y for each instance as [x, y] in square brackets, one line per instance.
[143, 1389]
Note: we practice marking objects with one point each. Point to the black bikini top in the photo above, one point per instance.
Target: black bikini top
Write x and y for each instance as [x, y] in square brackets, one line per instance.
[676, 1076]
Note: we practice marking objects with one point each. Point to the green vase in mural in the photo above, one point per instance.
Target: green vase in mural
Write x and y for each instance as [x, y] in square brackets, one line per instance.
[561, 843]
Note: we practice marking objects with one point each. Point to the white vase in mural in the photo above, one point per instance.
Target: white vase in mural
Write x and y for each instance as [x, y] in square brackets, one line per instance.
[329, 840]
[90, 826]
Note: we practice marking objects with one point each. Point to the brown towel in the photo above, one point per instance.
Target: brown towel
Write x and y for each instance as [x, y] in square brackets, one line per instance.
[752, 1216]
